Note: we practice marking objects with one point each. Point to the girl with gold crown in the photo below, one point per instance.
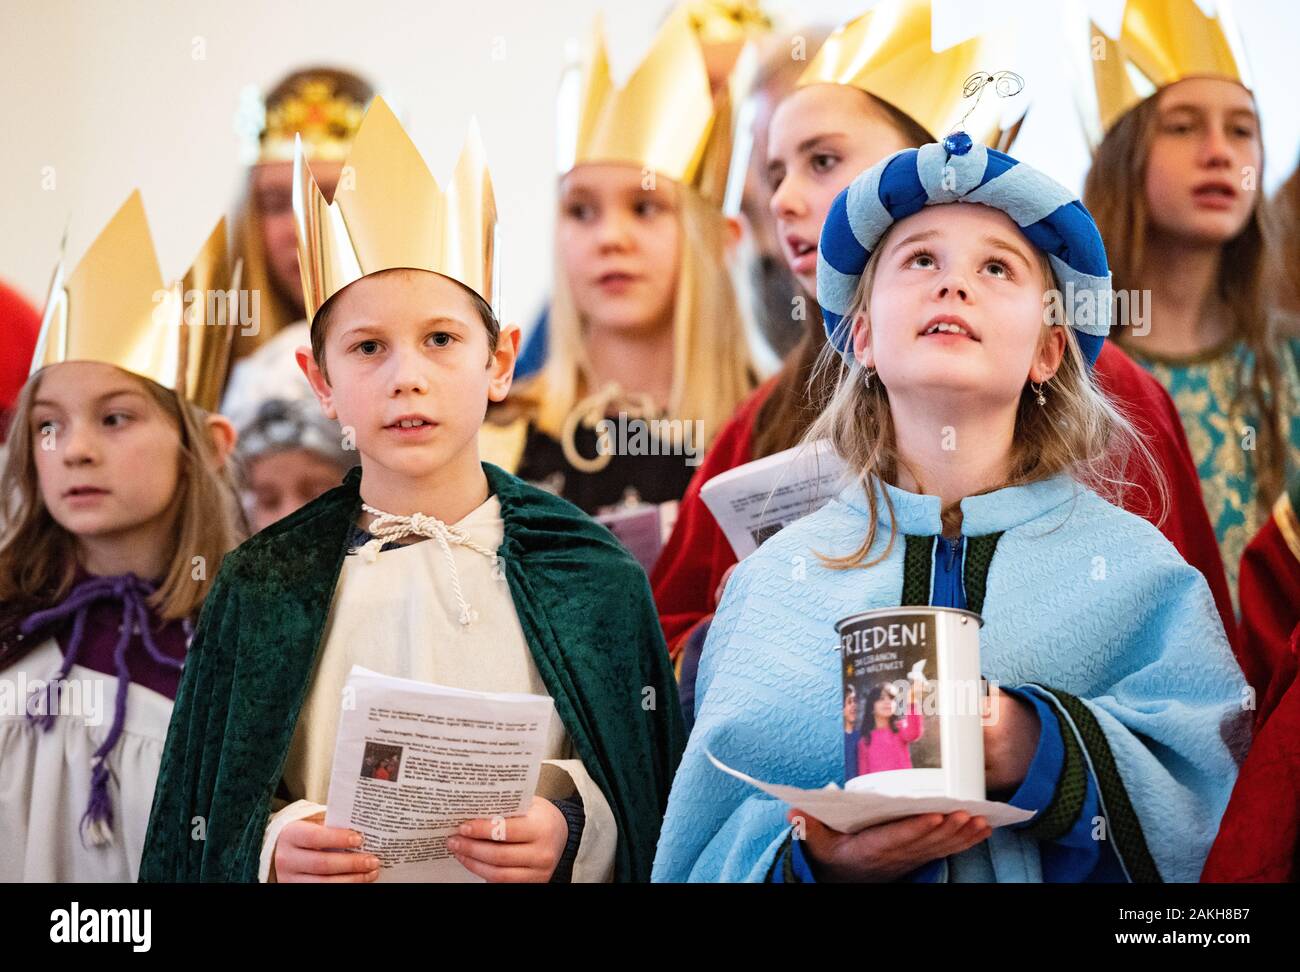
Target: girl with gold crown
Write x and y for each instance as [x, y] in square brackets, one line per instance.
[724, 28]
[1174, 185]
[425, 564]
[647, 354]
[872, 89]
[121, 509]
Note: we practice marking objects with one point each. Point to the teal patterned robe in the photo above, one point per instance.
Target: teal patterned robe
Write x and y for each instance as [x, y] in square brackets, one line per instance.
[1204, 389]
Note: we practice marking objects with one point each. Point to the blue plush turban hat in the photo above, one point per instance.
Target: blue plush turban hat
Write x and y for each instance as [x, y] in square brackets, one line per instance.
[957, 171]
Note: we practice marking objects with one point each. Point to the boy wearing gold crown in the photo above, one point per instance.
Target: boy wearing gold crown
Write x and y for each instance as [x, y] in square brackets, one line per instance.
[513, 590]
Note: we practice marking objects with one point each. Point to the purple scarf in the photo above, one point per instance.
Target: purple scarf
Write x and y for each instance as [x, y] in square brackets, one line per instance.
[131, 592]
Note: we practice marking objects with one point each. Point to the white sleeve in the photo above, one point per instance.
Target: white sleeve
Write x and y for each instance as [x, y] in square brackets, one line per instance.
[561, 778]
[299, 810]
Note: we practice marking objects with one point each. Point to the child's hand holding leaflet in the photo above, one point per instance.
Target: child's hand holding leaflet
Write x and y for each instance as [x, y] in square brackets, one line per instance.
[310, 851]
[415, 763]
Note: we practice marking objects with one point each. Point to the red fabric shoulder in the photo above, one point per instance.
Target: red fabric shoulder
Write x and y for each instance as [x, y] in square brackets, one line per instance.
[1269, 589]
[697, 553]
[1259, 836]
[1186, 524]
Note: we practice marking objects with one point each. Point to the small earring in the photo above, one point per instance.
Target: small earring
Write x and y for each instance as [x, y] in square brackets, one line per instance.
[1038, 390]
[866, 377]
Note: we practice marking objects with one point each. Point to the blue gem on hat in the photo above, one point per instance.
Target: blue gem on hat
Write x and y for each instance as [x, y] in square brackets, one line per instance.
[958, 143]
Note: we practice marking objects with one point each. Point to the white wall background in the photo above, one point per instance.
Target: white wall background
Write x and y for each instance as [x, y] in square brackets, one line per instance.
[107, 95]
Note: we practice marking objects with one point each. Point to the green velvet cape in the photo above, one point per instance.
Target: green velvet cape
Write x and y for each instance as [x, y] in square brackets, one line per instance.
[586, 612]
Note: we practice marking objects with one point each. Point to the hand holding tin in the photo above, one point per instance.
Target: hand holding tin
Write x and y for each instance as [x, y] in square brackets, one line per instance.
[1010, 739]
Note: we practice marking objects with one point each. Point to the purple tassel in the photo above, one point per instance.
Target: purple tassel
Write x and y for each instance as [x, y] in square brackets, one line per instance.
[131, 591]
[44, 718]
[97, 821]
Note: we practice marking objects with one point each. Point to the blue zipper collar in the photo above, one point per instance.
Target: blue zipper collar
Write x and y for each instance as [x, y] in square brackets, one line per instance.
[948, 587]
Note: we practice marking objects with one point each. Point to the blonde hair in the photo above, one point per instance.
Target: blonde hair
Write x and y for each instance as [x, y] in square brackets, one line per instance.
[38, 557]
[1079, 431]
[712, 371]
[275, 311]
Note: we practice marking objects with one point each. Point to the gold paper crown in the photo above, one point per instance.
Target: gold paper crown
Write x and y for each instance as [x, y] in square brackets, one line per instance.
[888, 52]
[325, 117]
[1160, 42]
[114, 308]
[388, 212]
[664, 119]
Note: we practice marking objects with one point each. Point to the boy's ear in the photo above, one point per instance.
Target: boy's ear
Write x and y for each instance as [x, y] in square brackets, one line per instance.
[319, 385]
[222, 432]
[502, 363]
[1050, 353]
[862, 342]
[731, 239]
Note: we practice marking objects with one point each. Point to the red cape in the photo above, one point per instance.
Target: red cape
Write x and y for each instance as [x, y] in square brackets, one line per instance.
[19, 323]
[1269, 588]
[697, 554]
[1259, 837]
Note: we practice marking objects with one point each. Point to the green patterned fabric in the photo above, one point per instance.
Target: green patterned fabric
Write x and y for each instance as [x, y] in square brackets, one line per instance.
[1056, 819]
[785, 861]
[586, 611]
[1207, 391]
[918, 569]
[975, 573]
[1123, 826]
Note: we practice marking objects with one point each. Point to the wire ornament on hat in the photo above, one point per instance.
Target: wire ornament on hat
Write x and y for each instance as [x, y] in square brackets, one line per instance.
[1006, 84]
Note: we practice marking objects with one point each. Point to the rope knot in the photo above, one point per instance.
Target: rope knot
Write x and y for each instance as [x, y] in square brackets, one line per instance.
[391, 526]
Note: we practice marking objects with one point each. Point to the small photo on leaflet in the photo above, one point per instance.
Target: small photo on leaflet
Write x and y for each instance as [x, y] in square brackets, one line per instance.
[381, 762]
[886, 665]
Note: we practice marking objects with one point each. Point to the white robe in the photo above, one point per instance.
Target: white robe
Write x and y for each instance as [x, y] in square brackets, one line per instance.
[399, 616]
[45, 775]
